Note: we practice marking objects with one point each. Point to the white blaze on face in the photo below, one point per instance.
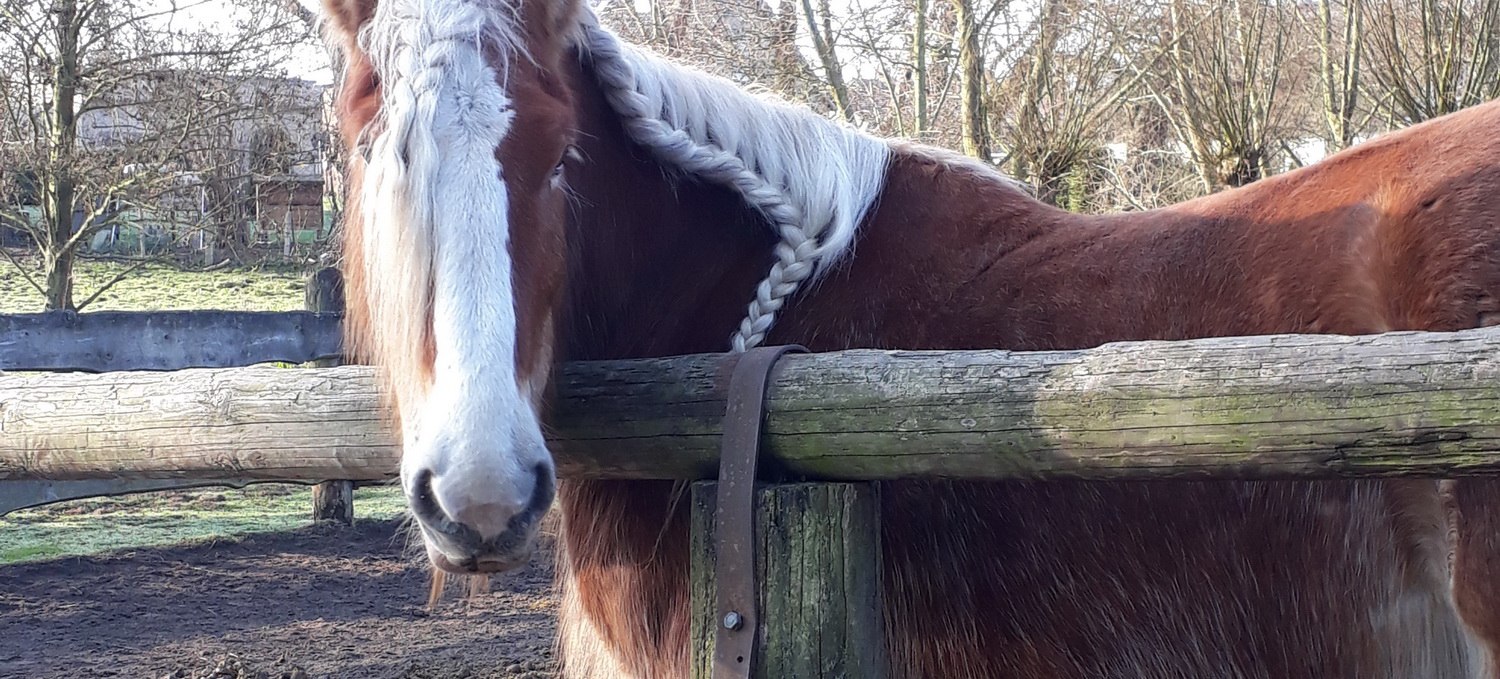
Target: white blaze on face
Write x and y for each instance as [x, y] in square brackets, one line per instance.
[436, 220]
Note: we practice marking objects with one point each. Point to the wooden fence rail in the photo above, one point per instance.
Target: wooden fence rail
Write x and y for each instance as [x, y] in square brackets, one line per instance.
[165, 340]
[1263, 407]
[174, 340]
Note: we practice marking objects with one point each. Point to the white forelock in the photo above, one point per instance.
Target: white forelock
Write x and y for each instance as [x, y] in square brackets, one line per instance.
[813, 178]
[412, 45]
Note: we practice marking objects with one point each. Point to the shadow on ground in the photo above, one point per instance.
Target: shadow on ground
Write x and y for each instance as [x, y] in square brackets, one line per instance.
[324, 601]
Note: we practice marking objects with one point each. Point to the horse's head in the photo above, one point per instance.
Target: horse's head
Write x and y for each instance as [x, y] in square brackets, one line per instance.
[455, 250]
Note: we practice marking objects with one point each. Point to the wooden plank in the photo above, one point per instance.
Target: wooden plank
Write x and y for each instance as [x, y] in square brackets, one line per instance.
[27, 493]
[817, 563]
[306, 424]
[332, 500]
[164, 340]
[1270, 407]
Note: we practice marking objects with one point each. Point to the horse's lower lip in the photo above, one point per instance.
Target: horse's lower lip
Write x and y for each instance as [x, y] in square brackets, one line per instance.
[473, 565]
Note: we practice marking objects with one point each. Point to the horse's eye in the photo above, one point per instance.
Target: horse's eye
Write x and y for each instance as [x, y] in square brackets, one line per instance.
[570, 153]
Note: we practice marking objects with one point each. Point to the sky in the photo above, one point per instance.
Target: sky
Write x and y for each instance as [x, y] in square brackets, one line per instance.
[308, 61]
[311, 62]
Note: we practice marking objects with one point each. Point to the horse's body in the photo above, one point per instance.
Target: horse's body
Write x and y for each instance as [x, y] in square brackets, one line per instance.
[1365, 578]
[1069, 579]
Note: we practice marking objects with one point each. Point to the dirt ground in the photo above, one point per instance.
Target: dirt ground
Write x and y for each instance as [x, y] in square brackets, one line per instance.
[324, 601]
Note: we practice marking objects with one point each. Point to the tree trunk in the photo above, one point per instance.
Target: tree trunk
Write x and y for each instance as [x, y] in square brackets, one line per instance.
[57, 265]
[58, 209]
[1190, 107]
[1340, 77]
[976, 140]
[919, 71]
[1033, 149]
[822, 38]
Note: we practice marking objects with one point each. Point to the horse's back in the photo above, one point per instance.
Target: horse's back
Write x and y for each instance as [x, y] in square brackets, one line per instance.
[1304, 579]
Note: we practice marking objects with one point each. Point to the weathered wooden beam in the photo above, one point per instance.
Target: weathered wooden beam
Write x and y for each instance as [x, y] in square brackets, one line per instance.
[305, 424]
[1269, 407]
[18, 494]
[164, 340]
[817, 564]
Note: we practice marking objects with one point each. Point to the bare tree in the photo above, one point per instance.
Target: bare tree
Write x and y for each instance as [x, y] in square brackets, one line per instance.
[920, 119]
[1432, 57]
[1223, 84]
[1341, 48]
[820, 30]
[111, 108]
[1055, 107]
[746, 41]
[974, 132]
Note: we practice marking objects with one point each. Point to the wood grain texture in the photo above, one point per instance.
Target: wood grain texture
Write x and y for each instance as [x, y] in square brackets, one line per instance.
[817, 563]
[1268, 407]
[165, 340]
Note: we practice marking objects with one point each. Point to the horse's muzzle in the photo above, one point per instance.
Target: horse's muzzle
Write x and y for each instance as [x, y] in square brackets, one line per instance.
[458, 547]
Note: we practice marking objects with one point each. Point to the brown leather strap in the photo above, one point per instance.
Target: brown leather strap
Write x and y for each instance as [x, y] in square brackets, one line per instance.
[736, 621]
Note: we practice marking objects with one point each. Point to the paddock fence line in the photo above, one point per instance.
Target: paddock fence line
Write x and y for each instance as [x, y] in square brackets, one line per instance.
[1287, 406]
[121, 341]
[1413, 404]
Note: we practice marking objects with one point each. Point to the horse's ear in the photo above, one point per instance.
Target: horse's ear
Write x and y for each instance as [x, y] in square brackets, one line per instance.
[345, 17]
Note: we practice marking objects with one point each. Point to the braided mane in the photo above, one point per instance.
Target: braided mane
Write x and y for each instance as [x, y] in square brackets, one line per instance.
[812, 178]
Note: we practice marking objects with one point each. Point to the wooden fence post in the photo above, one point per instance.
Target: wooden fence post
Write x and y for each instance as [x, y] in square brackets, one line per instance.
[817, 564]
[332, 500]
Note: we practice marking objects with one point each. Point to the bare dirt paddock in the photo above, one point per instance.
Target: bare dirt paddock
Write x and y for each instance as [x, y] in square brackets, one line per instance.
[324, 601]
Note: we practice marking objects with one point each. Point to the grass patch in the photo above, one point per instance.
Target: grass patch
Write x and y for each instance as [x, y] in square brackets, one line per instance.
[163, 287]
[83, 527]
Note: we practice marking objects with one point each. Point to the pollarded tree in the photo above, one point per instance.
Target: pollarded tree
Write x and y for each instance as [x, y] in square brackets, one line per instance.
[1428, 58]
[1227, 84]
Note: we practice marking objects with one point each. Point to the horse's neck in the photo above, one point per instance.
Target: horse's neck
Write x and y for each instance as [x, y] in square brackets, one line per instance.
[950, 253]
[662, 264]
[666, 265]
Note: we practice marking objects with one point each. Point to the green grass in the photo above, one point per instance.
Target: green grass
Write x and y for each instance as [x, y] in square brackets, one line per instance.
[163, 287]
[98, 525]
[83, 527]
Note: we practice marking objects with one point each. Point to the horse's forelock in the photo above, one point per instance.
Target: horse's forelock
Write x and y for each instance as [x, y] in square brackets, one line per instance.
[413, 48]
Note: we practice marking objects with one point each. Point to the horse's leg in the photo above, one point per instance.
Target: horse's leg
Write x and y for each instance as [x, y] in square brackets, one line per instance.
[624, 578]
[1474, 510]
[581, 649]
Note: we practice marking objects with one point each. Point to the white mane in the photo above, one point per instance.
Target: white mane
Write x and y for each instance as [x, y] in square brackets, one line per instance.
[813, 178]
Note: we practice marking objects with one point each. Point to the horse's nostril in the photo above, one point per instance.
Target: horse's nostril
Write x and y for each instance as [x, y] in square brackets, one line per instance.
[424, 500]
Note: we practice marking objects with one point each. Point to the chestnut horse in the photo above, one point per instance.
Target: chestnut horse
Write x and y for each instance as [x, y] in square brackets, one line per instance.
[525, 188]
